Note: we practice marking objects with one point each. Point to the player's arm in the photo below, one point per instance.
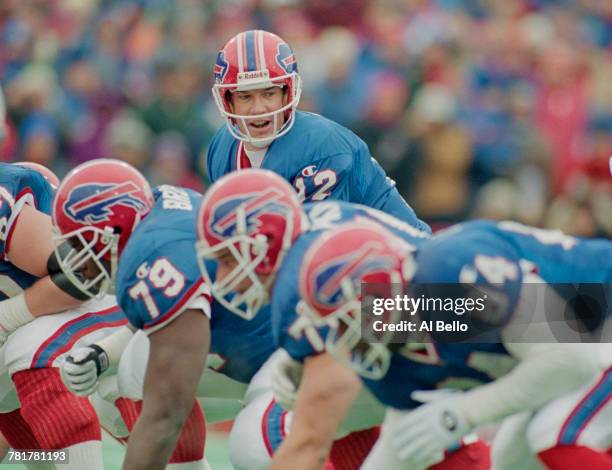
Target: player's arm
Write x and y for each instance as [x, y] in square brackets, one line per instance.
[212, 167]
[31, 241]
[177, 356]
[377, 190]
[31, 249]
[545, 371]
[326, 392]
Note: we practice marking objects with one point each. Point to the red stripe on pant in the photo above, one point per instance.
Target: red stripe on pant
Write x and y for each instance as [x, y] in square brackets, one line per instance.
[190, 445]
[17, 431]
[191, 441]
[575, 457]
[349, 452]
[57, 417]
[476, 456]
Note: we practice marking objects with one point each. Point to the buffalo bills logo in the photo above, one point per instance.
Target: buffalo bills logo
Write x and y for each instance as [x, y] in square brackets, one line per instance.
[251, 206]
[92, 203]
[221, 67]
[286, 59]
[327, 280]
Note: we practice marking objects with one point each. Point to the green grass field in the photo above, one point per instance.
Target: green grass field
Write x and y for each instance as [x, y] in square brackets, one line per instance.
[216, 453]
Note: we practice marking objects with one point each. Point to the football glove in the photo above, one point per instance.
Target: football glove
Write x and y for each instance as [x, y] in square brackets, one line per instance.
[422, 436]
[285, 377]
[82, 368]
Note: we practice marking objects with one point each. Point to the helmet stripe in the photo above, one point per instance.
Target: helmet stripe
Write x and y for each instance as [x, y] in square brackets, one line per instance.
[256, 47]
[240, 52]
[250, 51]
[262, 50]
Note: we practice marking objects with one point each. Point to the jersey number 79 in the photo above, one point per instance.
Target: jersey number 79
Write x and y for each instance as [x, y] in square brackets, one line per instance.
[163, 276]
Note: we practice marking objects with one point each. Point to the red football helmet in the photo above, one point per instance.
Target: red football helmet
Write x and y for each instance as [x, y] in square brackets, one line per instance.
[254, 60]
[331, 277]
[254, 216]
[51, 177]
[96, 209]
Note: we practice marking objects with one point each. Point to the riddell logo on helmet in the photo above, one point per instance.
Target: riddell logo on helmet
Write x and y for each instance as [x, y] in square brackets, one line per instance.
[252, 76]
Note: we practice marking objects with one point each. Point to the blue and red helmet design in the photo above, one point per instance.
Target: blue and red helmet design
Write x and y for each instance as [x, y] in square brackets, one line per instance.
[221, 67]
[255, 60]
[357, 252]
[252, 203]
[257, 207]
[285, 58]
[357, 266]
[92, 203]
[101, 194]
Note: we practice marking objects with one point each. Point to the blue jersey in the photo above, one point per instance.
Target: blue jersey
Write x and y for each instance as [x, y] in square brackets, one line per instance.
[291, 330]
[158, 278]
[431, 366]
[18, 186]
[499, 253]
[13, 280]
[322, 160]
[493, 253]
[553, 255]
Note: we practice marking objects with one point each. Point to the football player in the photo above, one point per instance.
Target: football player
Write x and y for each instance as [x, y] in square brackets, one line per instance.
[252, 224]
[46, 415]
[257, 90]
[568, 386]
[142, 243]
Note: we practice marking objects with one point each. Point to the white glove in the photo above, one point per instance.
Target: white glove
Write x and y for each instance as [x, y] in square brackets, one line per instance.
[422, 435]
[81, 369]
[285, 377]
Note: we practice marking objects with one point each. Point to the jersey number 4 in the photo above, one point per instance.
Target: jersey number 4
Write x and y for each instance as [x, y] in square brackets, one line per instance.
[164, 277]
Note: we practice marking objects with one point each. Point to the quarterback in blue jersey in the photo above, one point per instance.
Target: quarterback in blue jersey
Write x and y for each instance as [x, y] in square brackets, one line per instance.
[519, 376]
[142, 243]
[257, 89]
[251, 222]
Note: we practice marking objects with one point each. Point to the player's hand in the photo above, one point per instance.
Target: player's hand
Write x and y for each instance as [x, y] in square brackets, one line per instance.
[286, 375]
[422, 435]
[81, 369]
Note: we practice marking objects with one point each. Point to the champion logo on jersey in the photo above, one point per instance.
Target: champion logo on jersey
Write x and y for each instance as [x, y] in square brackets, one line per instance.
[94, 202]
[221, 67]
[354, 266]
[252, 206]
[286, 59]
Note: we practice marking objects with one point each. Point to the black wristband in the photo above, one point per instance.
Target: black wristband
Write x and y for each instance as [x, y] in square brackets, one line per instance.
[102, 362]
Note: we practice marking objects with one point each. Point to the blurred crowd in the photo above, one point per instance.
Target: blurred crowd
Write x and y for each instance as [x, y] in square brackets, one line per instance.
[477, 108]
